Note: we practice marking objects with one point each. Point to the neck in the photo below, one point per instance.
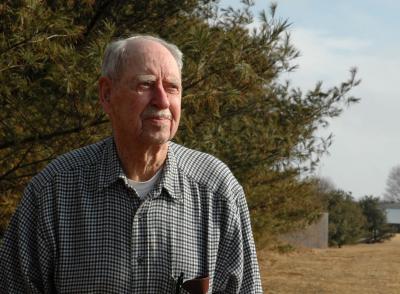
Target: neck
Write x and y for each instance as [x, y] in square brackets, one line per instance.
[141, 162]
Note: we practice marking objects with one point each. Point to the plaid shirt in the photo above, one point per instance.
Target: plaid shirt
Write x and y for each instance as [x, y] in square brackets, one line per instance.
[80, 228]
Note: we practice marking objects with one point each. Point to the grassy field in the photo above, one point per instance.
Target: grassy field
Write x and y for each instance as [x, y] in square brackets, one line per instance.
[364, 268]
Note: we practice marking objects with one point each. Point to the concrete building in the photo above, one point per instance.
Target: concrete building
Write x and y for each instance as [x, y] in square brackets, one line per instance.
[314, 236]
[392, 211]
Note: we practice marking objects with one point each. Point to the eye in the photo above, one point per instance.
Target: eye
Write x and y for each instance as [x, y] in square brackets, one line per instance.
[172, 88]
[145, 85]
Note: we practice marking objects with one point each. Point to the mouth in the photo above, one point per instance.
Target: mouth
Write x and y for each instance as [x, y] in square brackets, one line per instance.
[158, 120]
[162, 117]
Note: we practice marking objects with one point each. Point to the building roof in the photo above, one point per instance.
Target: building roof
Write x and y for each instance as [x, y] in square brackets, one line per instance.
[388, 205]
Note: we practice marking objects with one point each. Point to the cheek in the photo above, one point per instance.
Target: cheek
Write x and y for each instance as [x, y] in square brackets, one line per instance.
[128, 115]
[176, 109]
[134, 108]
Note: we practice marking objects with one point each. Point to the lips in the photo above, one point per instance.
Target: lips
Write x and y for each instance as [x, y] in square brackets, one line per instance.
[159, 117]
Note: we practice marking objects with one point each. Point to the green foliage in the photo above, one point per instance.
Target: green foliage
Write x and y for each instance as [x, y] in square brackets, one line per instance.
[280, 205]
[284, 249]
[234, 105]
[376, 224]
[346, 220]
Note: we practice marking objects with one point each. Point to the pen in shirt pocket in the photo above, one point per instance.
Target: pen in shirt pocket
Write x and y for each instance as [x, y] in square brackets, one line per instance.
[197, 285]
[179, 283]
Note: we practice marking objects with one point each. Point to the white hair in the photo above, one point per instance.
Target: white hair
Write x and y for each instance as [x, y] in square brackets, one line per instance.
[116, 53]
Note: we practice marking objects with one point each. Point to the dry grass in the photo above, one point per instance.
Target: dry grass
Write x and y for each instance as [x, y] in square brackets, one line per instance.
[364, 268]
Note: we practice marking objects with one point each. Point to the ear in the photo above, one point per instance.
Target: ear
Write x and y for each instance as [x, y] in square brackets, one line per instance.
[105, 88]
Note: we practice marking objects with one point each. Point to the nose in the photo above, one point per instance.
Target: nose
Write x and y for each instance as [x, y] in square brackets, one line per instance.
[160, 97]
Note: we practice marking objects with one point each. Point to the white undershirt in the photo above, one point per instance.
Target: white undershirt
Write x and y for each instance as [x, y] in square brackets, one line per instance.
[143, 188]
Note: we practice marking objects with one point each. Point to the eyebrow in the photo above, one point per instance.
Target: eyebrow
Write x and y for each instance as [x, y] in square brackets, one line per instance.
[173, 81]
[146, 78]
[152, 78]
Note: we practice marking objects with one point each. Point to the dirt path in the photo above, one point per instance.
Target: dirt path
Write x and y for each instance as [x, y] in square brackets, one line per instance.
[365, 268]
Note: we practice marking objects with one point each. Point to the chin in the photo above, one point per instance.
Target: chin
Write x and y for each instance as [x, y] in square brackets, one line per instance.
[157, 140]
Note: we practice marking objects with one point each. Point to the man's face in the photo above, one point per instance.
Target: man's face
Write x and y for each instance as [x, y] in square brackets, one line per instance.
[144, 103]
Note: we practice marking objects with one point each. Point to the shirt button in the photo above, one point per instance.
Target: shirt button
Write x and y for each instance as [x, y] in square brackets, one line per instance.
[140, 259]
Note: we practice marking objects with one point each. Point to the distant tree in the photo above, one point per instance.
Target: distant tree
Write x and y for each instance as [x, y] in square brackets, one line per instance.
[376, 223]
[346, 220]
[285, 206]
[392, 193]
[324, 185]
[324, 188]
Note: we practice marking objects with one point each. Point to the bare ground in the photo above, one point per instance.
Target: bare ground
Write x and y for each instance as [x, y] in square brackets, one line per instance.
[363, 268]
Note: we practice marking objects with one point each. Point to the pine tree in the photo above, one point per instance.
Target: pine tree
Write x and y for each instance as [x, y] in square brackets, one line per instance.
[234, 105]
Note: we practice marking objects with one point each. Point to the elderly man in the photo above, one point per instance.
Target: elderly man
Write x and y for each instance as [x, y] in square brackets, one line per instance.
[134, 213]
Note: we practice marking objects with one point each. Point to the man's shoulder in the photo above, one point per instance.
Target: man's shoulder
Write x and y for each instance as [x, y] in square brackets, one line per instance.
[75, 160]
[203, 167]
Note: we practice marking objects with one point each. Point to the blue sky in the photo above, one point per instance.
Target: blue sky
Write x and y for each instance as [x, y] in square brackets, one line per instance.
[334, 36]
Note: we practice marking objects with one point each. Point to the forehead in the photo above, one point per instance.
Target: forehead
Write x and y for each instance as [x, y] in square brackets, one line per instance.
[145, 57]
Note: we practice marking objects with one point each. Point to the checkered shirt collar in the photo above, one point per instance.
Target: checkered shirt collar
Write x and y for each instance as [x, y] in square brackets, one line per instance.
[111, 171]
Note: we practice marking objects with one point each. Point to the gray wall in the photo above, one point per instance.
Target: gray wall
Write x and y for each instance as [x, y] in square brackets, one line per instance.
[393, 215]
[314, 236]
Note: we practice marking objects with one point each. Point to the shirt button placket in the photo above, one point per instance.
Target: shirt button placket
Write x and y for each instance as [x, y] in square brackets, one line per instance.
[139, 242]
[140, 259]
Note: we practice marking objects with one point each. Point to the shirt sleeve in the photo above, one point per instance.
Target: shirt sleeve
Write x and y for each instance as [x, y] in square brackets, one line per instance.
[237, 268]
[25, 256]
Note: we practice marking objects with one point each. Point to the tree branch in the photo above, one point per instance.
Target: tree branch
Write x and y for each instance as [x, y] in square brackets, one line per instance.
[45, 137]
[96, 17]
[18, 165]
